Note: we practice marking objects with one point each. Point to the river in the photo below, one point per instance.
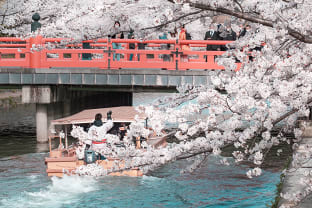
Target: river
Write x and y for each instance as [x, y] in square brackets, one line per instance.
[24, 183]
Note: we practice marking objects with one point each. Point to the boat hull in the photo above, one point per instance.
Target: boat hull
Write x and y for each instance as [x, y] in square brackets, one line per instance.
[59, 166]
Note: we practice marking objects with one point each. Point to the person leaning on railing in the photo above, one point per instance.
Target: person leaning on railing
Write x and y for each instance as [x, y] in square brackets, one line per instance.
[212, 34]
[117, 35]
[141, 46]
[186, 47]
[86, 45]
[165, 57]
[131, 45]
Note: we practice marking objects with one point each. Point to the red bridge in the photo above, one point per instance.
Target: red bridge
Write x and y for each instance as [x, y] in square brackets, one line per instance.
[39, 52]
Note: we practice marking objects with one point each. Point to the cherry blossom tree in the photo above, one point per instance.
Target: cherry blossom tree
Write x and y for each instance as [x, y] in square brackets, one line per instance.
[235, 108]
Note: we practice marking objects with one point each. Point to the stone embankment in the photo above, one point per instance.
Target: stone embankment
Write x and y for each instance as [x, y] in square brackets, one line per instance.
[10, 98]
[292, 182]
[15, 116]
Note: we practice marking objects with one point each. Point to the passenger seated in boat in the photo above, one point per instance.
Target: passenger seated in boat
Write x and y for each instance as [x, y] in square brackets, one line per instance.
[122, 131]
[80, 151]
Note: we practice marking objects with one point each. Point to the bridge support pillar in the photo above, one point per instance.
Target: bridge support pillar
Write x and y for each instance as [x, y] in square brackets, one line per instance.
[46, 98]
[42, 122]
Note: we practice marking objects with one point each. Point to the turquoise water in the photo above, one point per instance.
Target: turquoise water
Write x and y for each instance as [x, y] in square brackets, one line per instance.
[24, 184]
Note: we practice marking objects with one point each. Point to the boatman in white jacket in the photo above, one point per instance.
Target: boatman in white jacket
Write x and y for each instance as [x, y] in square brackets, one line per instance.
[98, 130]
[96, 135]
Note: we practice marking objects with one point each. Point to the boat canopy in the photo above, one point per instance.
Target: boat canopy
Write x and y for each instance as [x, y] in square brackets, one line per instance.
[122, 114]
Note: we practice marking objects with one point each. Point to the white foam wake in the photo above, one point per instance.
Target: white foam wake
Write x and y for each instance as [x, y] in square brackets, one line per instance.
[62, 191]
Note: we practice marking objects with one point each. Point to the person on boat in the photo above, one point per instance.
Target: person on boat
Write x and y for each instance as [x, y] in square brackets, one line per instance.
[92, 131]
[97, 132]
[80, 150]
[122, 131]
[98, 120]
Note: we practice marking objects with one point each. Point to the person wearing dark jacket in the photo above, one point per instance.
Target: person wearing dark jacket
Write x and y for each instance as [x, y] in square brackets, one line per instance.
[86, 45]
[131, 45]
[164, 36]
[230, 36]
[212, 34]
[243, 32]
[141, 46]
[119, 35]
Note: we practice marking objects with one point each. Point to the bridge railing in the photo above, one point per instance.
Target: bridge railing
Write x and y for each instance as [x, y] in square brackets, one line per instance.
[39, 52]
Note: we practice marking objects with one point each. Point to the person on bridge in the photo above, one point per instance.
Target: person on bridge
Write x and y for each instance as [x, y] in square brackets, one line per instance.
[230, 35]
[86, 45]
[131, 45]
[212, 34]
[244, 31]
[164, 36]
[141, 46]
[119, 35]
[186, 47]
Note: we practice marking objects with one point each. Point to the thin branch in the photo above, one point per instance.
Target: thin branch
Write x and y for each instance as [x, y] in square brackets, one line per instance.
[5, 15]
[239, 5]
[193, 154]
[229, 107]
[201, 162]
[289, 113]
[171, 21]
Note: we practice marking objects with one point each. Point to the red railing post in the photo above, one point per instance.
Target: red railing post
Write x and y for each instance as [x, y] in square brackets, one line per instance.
[177, 54]
[35, 47]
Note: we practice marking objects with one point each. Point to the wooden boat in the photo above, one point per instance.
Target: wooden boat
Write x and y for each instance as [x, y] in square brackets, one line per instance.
[64, 160]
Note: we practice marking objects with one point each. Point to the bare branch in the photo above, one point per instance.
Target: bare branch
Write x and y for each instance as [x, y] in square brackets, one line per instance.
[5, 15]
[171, 21]
[239, 5]
[229, 107]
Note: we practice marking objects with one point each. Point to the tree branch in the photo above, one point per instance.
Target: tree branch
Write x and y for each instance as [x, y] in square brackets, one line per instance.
[255, 19]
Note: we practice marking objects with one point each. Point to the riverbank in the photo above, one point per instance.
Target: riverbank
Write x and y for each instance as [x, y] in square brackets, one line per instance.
[15, 117]
[292, 182]
[7, 93]
[10, 98]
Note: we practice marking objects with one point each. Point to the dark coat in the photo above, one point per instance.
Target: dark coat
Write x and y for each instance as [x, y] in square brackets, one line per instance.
[122, 36]
[131, 36]
[242, 33]
[231, 35]
[131, 45]
[141, 46]
[188, 36]
[86, 56]
[215, 36]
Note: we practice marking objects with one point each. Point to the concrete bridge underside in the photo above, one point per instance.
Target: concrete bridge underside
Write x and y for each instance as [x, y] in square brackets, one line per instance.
[146, 78]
